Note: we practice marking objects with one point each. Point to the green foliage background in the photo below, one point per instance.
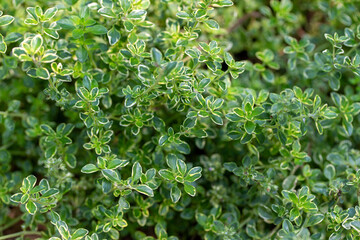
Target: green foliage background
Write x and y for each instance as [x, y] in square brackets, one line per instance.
[179, 119]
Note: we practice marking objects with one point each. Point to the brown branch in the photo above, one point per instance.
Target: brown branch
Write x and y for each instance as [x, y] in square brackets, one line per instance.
[241, 20]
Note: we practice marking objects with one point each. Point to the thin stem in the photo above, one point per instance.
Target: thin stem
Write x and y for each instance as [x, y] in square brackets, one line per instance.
[10, 223]
[154, 85]
[114, 118]
[5, 146]
[294, 169]
[42, 28]
[241, 20]
[93, 63]
[51, 84]
[222, 75]
[272, 232]
[19, 234]
[12, 114]
[246, 221]
[352, 50]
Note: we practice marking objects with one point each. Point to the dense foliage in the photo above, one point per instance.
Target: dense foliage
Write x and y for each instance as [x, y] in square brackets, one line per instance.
[179, 119]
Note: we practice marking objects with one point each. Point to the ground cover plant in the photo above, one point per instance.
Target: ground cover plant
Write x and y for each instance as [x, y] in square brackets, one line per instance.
[179, 119]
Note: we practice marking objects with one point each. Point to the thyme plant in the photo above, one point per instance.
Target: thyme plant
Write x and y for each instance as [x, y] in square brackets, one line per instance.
[179, 119]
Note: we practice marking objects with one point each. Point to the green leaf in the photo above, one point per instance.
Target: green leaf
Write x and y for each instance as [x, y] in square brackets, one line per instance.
[315, 219]
[110, 175]
[113, 35]
[89, 168]
[107, 12]
[107, 227]
[290, 196]
[128, 26]
[156, 55]
[310, 206]
[166, 174]
[48, 58]
[204, 82]
[268, 76]
[97, 29]
[175, 194]
[163, 139]
[36, 43]
[47, 129]
[233, 117]
[200, 13]
[144, 189]
[6, 20]
[31, 11]
[282, 137]
[30, 21]
[249, 127]
[49, 14]
[355, 225]
[190, 122]
[42, 73]
[181, 167]
[329, 171]
[183, 15]
[16, 197]
[294, 214]
[335, 236]
[319, 127]
[52, 33]
[257, 111]
[82, 54]
[189, 189]
[212, 24]
[287, 226]
[136, 15]
[348, 127]
[79, 234]
[193, 174]
[25, 197]
[3, 46]
[183, 147]
[263, 96]
[336, 99]
[66, 23]
[246, 138]
[38, 11]
[219, 227]
[216, 118]
[13, 37]
[51, 192]
[266, 213]
[122, 223]
[136, 171]
[31, 207]
[169, 67]
[125, 5]
[50, 151]
[116, 163]
[334, 83]
[224, 3]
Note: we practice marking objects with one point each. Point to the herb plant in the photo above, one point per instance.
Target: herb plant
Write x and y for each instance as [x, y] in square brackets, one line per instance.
[179, 119]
